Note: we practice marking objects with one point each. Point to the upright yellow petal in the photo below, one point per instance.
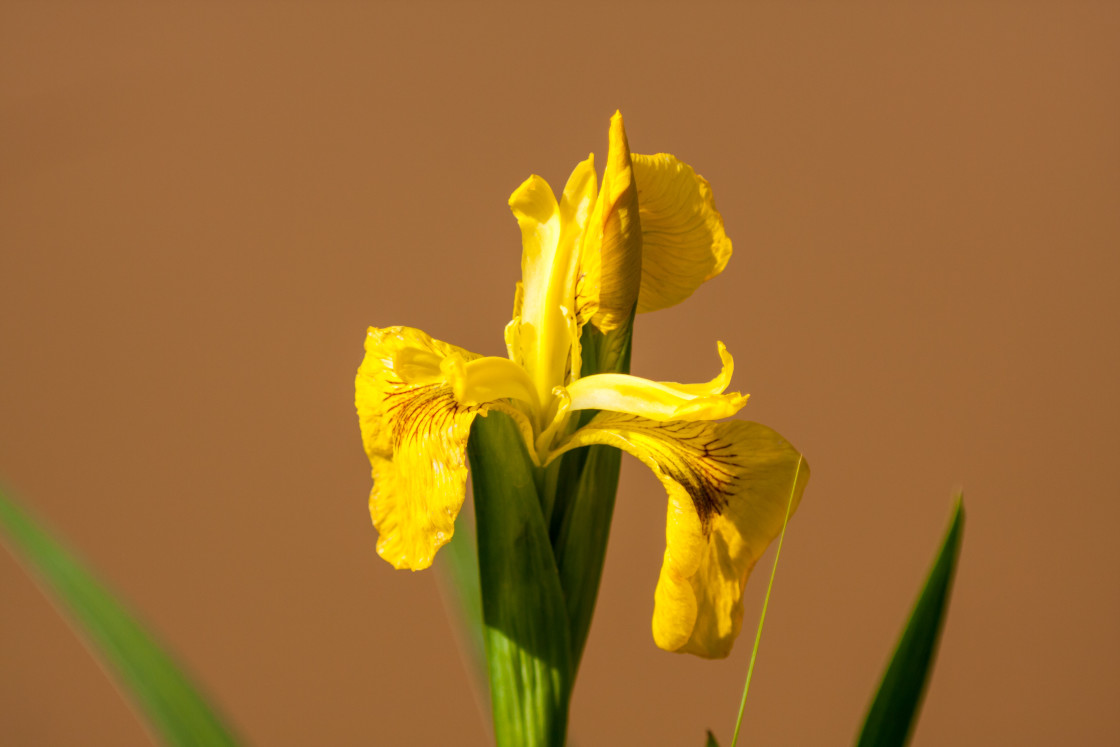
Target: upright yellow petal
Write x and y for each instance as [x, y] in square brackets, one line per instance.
[577, 207]
[611, 254]
[550, 234]
[538, 215]
[578, 199]
[683, 241]
[728, 486]
[415, 435]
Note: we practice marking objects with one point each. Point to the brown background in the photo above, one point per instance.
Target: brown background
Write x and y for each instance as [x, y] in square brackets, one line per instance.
[202, 209]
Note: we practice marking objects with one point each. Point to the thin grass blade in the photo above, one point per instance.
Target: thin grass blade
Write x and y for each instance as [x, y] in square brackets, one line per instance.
[794, 485]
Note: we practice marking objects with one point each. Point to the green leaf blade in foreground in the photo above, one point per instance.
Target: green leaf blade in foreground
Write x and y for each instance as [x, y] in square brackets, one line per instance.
[890, 719]
[172, 706]
[524, 616]
[459, 584]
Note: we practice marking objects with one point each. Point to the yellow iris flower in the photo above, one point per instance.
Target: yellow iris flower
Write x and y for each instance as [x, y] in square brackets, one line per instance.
[643, 240]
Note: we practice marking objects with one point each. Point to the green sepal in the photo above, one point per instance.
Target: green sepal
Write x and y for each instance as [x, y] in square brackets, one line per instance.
[524, 616]
[156, 685]
[891, 717]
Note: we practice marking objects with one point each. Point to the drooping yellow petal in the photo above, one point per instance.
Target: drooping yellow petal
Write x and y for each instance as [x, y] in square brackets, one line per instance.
[415, 434]
[610, 268]
[683, 241]
[728, 485]
[659, 400]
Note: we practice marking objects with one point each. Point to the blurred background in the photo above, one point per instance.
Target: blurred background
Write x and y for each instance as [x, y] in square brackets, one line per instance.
[202, 208]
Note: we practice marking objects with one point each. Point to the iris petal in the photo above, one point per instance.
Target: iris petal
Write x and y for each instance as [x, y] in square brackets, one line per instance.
[728, 485]
[611, 252]
[550, 234]
[415, 432]
[659, 400]
[683, 241]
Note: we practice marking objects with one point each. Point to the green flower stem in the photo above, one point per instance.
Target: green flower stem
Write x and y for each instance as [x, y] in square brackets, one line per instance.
[524, 616]
[542, 539]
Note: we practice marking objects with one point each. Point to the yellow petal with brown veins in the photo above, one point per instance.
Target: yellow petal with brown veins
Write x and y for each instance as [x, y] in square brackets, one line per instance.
[683, 241]
[728, 486]
[415, 434]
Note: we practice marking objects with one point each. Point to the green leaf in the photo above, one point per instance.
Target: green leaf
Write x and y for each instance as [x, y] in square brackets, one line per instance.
[172, 706]
[588, 483]
[523, 608]
[581, 546]
[711, 742]
[890, 720]
[606, 352]
[458, 568]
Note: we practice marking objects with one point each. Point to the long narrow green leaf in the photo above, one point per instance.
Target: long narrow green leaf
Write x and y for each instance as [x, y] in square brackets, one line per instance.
[890, 719]
[581, 548]
[172, 706]
[588, 485]
[526, 623]
[459, 586]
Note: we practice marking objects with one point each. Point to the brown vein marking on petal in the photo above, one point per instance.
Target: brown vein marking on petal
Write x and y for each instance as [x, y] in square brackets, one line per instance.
[704, 468]
[420, 411]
